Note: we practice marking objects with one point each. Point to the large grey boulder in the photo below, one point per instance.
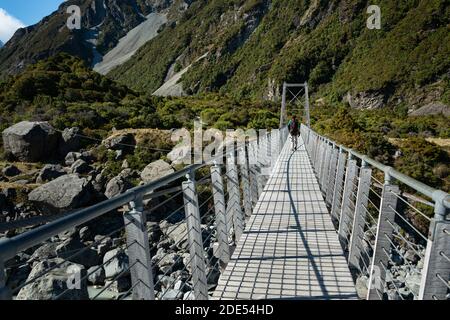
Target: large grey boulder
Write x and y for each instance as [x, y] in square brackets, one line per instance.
[65, 282]
[156, 170]
[413, 282]
[96, 275]
[169, 262]
[362, 286]
[31, 141]
[70, 141]
[176, 232]
[74, 251]
[81, 167]
[50, 172]
[116, 186]
[72, 157]
[115, 262]
[123, 142]
[64, 193]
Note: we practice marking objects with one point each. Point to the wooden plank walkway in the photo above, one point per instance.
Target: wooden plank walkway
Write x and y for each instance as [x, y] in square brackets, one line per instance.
[290, 249]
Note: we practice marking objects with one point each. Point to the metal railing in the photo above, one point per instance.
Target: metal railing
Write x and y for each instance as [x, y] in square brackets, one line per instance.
[398, 244]
[213, 202]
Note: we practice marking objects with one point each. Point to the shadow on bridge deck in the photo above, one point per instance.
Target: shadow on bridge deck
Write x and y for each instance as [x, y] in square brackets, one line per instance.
[290, 249]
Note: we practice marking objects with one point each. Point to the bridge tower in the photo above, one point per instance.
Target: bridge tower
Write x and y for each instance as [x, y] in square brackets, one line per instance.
[299, 93]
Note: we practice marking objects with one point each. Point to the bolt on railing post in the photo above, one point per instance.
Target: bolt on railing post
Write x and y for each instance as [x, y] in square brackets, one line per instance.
[338, 184]
[220, 211]
[234, 197]
[345, 217]
[384, 236]
[359, 220]
[332, 176]
[247, 196]
[436, 268]
[193, 221]
[139, 251]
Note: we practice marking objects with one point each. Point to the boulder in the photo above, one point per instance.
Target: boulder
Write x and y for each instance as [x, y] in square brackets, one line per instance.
[62, 194]
[86, 234]
[433, 108]
[171, 294]
[122, 284]
[44, 252]
[30, 141]
[176, 232]
[96, 275]
[115, 262]
[116, 186]
[169, 262]
[50, 172]
[11, 171]
[156, 170]
[413, 283]
[123, 142]
[366, 100]
[189, 296]
[70, 141]
[80, 166]
[74, 251]
[104, 244]
[361, 286]
[65, 282]
[72, 157]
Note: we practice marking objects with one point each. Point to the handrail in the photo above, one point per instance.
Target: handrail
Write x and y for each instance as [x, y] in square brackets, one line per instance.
[9, 247]
[441, 198]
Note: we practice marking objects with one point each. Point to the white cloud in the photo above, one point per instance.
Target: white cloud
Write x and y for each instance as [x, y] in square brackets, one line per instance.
[8, 25]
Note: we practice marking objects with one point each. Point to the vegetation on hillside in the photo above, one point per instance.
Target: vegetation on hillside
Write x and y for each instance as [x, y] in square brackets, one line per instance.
[371, 132]
[63, 91]
[324, 42]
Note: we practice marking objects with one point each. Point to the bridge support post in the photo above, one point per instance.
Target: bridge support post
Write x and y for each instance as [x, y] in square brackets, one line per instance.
[383, 241]
[346, 218]
[359, 220]
[234, 197]
[332, 176]
[436, 270]
[220, 211]
[245, 178]
[195, 239]
[338, 185]
[139, 251]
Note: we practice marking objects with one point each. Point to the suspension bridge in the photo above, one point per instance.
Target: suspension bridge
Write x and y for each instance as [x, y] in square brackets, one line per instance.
[278, 224]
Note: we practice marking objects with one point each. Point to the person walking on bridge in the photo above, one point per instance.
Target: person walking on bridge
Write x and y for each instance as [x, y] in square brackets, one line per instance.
[294, 131]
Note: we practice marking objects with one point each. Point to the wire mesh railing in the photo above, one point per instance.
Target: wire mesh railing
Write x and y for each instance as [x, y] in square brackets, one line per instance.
[172, 237]
[392, 227]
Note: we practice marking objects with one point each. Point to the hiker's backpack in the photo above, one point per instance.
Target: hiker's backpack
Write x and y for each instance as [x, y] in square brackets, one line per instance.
[293, 127]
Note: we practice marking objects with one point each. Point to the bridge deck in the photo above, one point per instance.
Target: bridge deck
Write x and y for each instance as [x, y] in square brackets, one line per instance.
[290, 249]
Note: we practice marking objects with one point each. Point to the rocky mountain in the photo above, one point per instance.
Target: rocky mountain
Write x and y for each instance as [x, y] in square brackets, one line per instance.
[1, 44]
[247, 48]
[250, 47]
[103, 24]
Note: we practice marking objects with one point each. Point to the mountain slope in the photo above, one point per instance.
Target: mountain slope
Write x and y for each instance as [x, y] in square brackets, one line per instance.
[103, 23]
[256, 42]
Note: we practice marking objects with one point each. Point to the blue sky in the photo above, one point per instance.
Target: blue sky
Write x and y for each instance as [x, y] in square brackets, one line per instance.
[18, 13]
